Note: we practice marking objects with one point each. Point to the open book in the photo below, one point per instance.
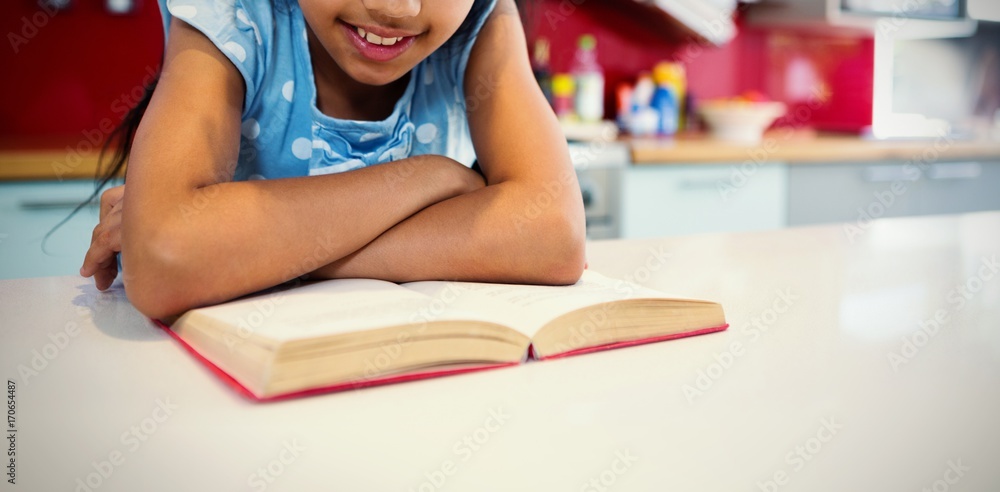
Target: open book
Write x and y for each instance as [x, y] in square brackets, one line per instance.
[342, 334]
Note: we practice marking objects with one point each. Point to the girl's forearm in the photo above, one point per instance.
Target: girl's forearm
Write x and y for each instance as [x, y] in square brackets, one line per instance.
[507, 232]
[233, 238]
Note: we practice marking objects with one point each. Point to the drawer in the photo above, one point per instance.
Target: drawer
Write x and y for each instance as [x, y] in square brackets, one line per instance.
[29, 210]
[842, 193]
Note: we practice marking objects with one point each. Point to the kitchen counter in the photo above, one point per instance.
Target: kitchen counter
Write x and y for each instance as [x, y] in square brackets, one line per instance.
[49, 158]
[806, 148]
[863, 361]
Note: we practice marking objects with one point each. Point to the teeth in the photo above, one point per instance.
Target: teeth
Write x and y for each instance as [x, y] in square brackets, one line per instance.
[376, 39]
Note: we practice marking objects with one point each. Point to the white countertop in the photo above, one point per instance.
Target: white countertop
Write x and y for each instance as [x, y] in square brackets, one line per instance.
[815, 321]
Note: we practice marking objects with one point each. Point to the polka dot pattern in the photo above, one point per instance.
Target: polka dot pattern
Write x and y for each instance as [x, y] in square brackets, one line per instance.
[426, 133]
[322, 145]
[236, 50]
[265, 41]
[302, 148]
[250, 129]
[184, 11]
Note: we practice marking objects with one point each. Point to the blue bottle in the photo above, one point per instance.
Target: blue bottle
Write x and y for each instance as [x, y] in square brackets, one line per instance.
[665, 103]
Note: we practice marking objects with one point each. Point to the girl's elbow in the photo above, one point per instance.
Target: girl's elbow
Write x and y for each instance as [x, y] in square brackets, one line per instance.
[566, 256]
[157, 280]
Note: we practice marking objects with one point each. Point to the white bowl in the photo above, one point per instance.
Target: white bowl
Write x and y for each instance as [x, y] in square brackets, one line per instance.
[740, 122]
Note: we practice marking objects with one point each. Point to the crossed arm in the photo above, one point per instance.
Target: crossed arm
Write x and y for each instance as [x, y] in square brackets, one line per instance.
[189, 236]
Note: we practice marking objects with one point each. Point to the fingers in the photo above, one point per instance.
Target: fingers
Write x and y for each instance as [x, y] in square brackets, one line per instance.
[104, 244]
[110, 199]
[107, 273]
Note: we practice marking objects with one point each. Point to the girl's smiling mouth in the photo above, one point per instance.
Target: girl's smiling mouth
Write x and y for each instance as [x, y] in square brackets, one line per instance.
[378, 43]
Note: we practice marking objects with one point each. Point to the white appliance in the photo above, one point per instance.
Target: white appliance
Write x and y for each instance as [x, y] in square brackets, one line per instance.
[711, 20]
[898, 19]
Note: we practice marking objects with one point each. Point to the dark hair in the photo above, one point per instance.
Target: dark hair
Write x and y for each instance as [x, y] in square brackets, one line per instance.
[120, 140]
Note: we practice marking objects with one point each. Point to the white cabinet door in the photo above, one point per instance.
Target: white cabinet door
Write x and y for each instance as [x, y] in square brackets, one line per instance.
[667, 200]
[857, 192]
[827, 193]
[28, 210]
[959, 187]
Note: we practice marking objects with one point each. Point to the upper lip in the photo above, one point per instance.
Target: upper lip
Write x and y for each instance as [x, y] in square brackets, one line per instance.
[384, 32]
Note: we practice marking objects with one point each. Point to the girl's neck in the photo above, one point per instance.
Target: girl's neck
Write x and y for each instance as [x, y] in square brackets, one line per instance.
[340, 96]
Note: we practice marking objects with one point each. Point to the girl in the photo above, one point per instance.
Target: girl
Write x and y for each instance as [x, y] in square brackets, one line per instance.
[333, 138]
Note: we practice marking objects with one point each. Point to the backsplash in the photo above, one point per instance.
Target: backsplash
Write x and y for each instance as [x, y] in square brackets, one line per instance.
[827, 81]
[72, 71]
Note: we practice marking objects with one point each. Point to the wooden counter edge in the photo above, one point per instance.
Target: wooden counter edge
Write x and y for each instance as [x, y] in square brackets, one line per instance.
[810, 152]
[47, 165]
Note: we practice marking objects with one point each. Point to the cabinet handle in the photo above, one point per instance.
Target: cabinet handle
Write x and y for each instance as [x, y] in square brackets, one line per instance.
[955, 170]
[698, 184]
[54, 204]
[889, 173]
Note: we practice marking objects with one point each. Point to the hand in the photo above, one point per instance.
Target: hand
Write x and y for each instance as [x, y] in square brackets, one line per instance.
[106, 242]
[463, 179]
[472, 180]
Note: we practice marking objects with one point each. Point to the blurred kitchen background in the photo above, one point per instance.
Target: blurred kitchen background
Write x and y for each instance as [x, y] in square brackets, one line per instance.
[684, 116]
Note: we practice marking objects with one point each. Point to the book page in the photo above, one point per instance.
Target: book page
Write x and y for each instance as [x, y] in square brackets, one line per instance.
[330, 307]
[527, 308]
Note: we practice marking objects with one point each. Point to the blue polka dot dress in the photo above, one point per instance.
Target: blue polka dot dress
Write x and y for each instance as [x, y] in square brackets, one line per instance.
[283, 134]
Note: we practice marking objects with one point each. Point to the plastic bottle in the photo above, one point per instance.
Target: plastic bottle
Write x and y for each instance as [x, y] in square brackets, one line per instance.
[642, 96]
[643, 120]
[540, 67]
[677, 78]
[624, 105]
[665, 100]
[563, 90]
[589, 81]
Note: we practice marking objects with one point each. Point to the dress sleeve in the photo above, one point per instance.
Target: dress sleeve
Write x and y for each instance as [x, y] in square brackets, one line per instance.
[241, 30]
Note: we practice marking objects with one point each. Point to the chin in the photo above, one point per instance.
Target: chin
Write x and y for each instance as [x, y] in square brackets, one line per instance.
[374, 75]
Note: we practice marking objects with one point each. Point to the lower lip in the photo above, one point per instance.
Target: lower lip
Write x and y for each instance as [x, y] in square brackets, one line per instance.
[377, 52]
